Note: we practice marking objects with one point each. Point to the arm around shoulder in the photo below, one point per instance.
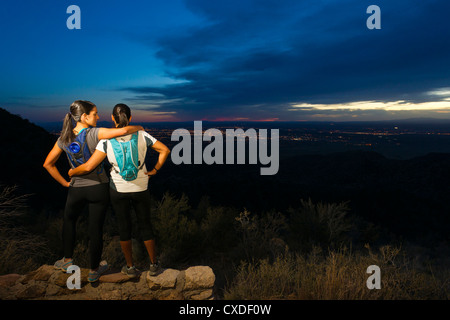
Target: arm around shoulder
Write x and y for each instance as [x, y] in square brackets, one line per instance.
[95, 160]
[109, 133]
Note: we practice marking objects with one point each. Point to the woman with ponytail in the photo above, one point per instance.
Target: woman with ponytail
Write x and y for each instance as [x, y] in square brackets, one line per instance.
[130, 190]
[89, 190]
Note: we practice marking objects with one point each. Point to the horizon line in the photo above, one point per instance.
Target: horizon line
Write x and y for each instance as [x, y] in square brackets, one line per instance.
[274, 121]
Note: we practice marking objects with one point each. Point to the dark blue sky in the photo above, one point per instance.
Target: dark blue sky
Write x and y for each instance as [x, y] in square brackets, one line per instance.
[185, 60]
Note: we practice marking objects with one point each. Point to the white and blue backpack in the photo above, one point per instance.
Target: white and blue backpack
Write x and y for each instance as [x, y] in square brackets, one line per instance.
[127, 157]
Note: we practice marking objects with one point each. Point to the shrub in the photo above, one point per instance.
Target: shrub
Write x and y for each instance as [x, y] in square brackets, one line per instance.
[314, 224]
[20, 251]
[260, 235]
[176, 235]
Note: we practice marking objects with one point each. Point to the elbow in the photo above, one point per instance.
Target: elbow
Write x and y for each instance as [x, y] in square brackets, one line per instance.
[47, 166]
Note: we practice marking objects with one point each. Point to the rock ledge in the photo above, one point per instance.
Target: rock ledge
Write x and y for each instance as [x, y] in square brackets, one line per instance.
[46, 283]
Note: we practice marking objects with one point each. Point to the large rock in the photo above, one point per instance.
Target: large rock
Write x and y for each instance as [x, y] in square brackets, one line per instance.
[114, 277]
[32, 291]
[9, 279]
[165, 280]
[199, 277]
[194, 283]
[43, 273]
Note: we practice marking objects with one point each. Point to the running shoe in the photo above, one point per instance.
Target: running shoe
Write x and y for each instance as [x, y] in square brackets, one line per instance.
[95, 275]
[62, 264]
[154, 269]
[131, 272]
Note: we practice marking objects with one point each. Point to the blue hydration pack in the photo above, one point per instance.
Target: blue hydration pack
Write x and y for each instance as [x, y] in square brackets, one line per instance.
[78, 151]
[127, 157]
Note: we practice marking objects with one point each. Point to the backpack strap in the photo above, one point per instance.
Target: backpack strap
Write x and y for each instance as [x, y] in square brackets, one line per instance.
[70, 161]
[135, 156]
[118, 153]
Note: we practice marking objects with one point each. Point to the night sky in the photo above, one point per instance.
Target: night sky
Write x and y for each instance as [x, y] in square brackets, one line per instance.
[186, 60]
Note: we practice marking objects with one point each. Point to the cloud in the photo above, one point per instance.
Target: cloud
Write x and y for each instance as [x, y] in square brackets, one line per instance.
[255, 59]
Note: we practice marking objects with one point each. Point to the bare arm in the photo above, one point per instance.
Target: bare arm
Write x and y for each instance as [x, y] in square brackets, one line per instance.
[109, 133]
[163, 154]
[50, 165]
[96, 158]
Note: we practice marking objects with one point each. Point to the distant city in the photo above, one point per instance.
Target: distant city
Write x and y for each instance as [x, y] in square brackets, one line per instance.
[394, 139]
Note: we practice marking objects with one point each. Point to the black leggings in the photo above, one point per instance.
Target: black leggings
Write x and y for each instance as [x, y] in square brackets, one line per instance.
[97, 199]
[122, 203]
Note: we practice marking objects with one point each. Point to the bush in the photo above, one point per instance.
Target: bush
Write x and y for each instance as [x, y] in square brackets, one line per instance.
[20, 251]
[260, 235]
[323, 224]
[176, 235]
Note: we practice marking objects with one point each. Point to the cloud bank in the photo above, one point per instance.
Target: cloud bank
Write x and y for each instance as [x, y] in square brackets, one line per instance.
[261, 60]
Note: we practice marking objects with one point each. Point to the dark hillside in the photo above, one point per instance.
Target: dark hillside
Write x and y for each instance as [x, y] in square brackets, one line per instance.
[24, 147]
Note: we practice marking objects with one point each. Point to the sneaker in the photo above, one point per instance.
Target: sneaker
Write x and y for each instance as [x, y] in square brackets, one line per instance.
[131, 272]
[62, 264]
[154, 269]
[95, 275]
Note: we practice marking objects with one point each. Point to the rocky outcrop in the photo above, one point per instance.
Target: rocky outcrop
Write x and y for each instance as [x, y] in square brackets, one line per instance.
[46, 283]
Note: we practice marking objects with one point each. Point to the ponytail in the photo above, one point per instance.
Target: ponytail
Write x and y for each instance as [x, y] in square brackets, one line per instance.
[123, 120]
[122, 115]
[67, 135]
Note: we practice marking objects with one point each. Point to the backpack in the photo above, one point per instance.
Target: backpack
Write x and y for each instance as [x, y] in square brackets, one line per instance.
[127, 157]
[78, 151]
